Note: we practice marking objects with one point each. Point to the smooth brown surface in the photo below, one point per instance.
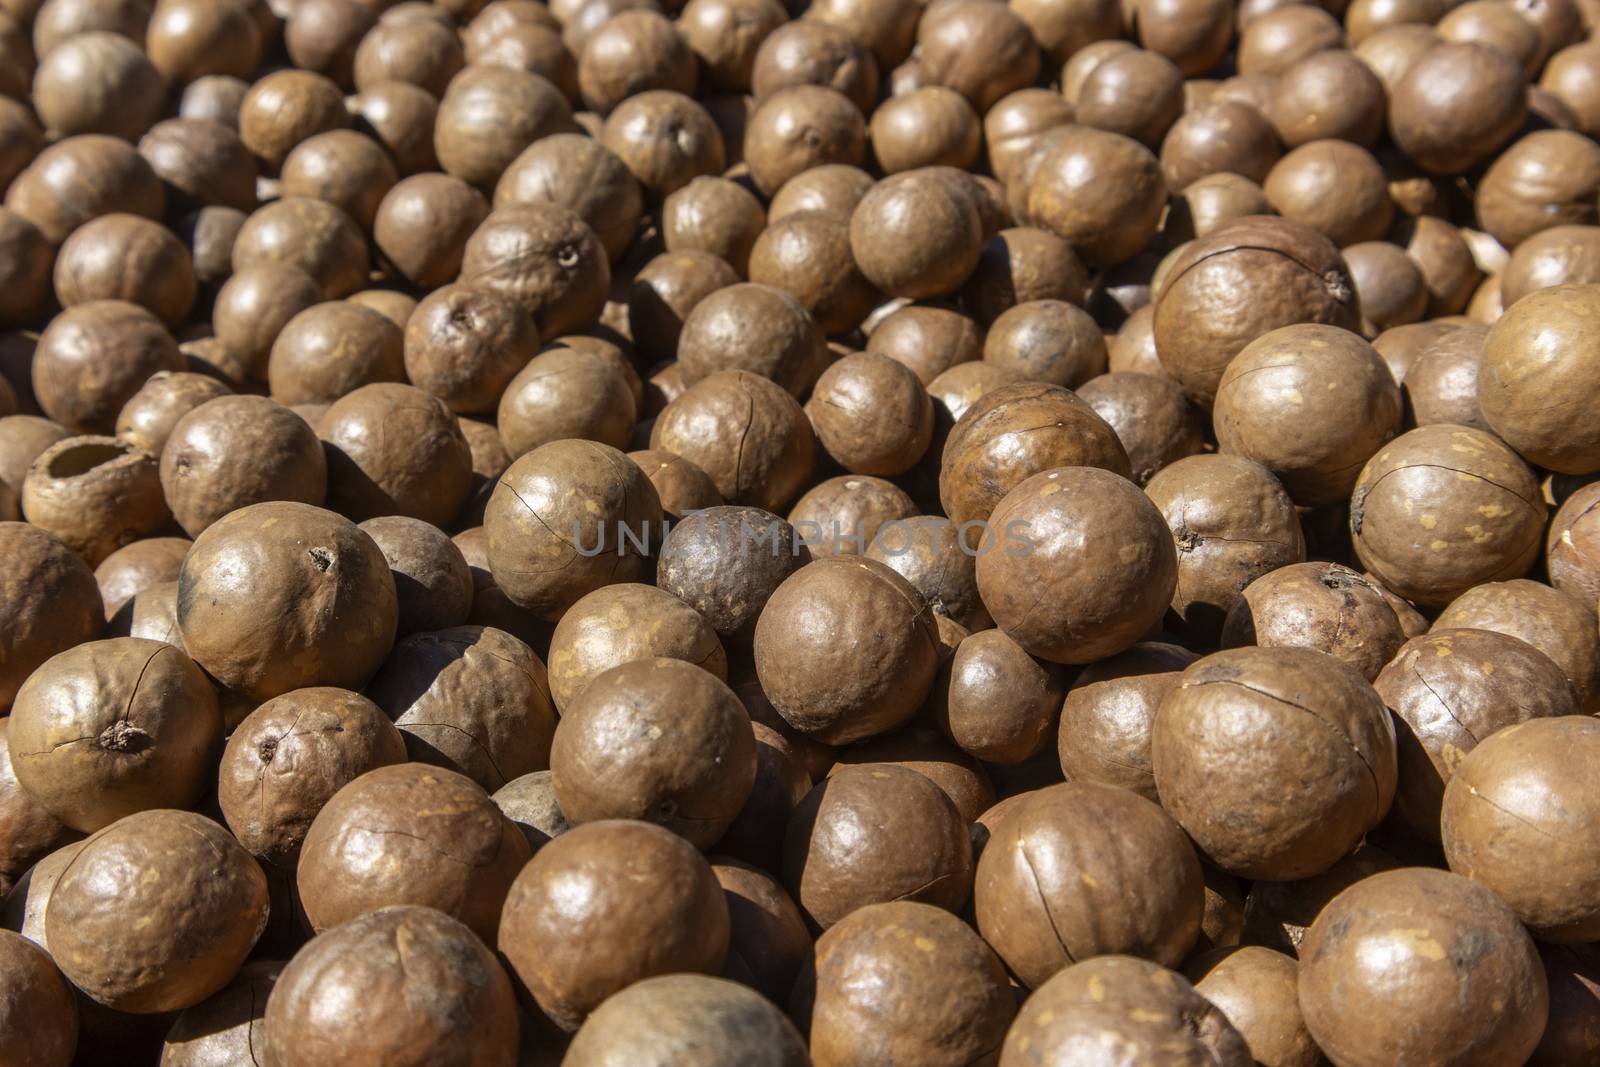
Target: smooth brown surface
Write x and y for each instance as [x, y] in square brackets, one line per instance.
[28, 831]
[92, 359]
[1456, 105]
[1146, 1010]
[1255, 988]
[545, 497]
[1099, 190]
[1244, 280]
[1109, 713]
[1312, 404]
[156, 912]
[39, 1017]
[831, 660]
[234, 451]
[744, 430]
[959, 775]
[681, 1019]
[873, 834]
[622, 623]
[1471, 496]
[905, 982]
[330, 350]
[1554, 622]
[1012, 432]
[1095, 608]
[1313, 721]
[379, 840]
[916, 234]
[691, 762]
[1383, 953]
[278, 596]
[1084, 869]
[58, 607]
[1155, 422]
[414, 986]
[1529, 353]
[1513, 803]
[755, 328]
[606, 905]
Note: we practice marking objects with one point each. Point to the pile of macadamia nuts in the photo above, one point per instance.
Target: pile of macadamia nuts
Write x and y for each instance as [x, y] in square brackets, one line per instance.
[799, 533]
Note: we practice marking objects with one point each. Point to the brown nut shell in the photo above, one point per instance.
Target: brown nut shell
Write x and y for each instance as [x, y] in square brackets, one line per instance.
[1456, 106]
[282, 595]
[127, 258]
[606, 905]
[757, 328]
[1101, 191]
[724, 1023]
[621, 623]
[846, 648]
[1083, 869]
[1323, 606]
[725, 562]
[1146, 1010]
[93, 358]
[380, 839]
[395, 450]
[916, 234]
[555, 524]
[903, 981]
[314, 235]
[40, 1015]
[148, 418]
[744, 430]
[1067, 594]
[546, 260]
[1445, 702]
[1353, 1007]
[56, 605]
[1512, 802]
[1246, 279]
[416, 983]
[689, 760]
[473, 699]
[236, 451]
[152, 718]
[464, 344]
[1554, 621]
[1312, 720]
[1013, 432]
[665, 139]
[1312, 404]
[290, 756]
[1532, 352]
[81, 178]
[1474, 500]
[1155, 422]
[1109, 715]
[156, 912]
[912, 846]
[96, 494]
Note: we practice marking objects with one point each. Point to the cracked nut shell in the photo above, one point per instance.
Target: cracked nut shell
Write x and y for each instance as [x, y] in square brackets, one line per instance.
[1318, 773]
